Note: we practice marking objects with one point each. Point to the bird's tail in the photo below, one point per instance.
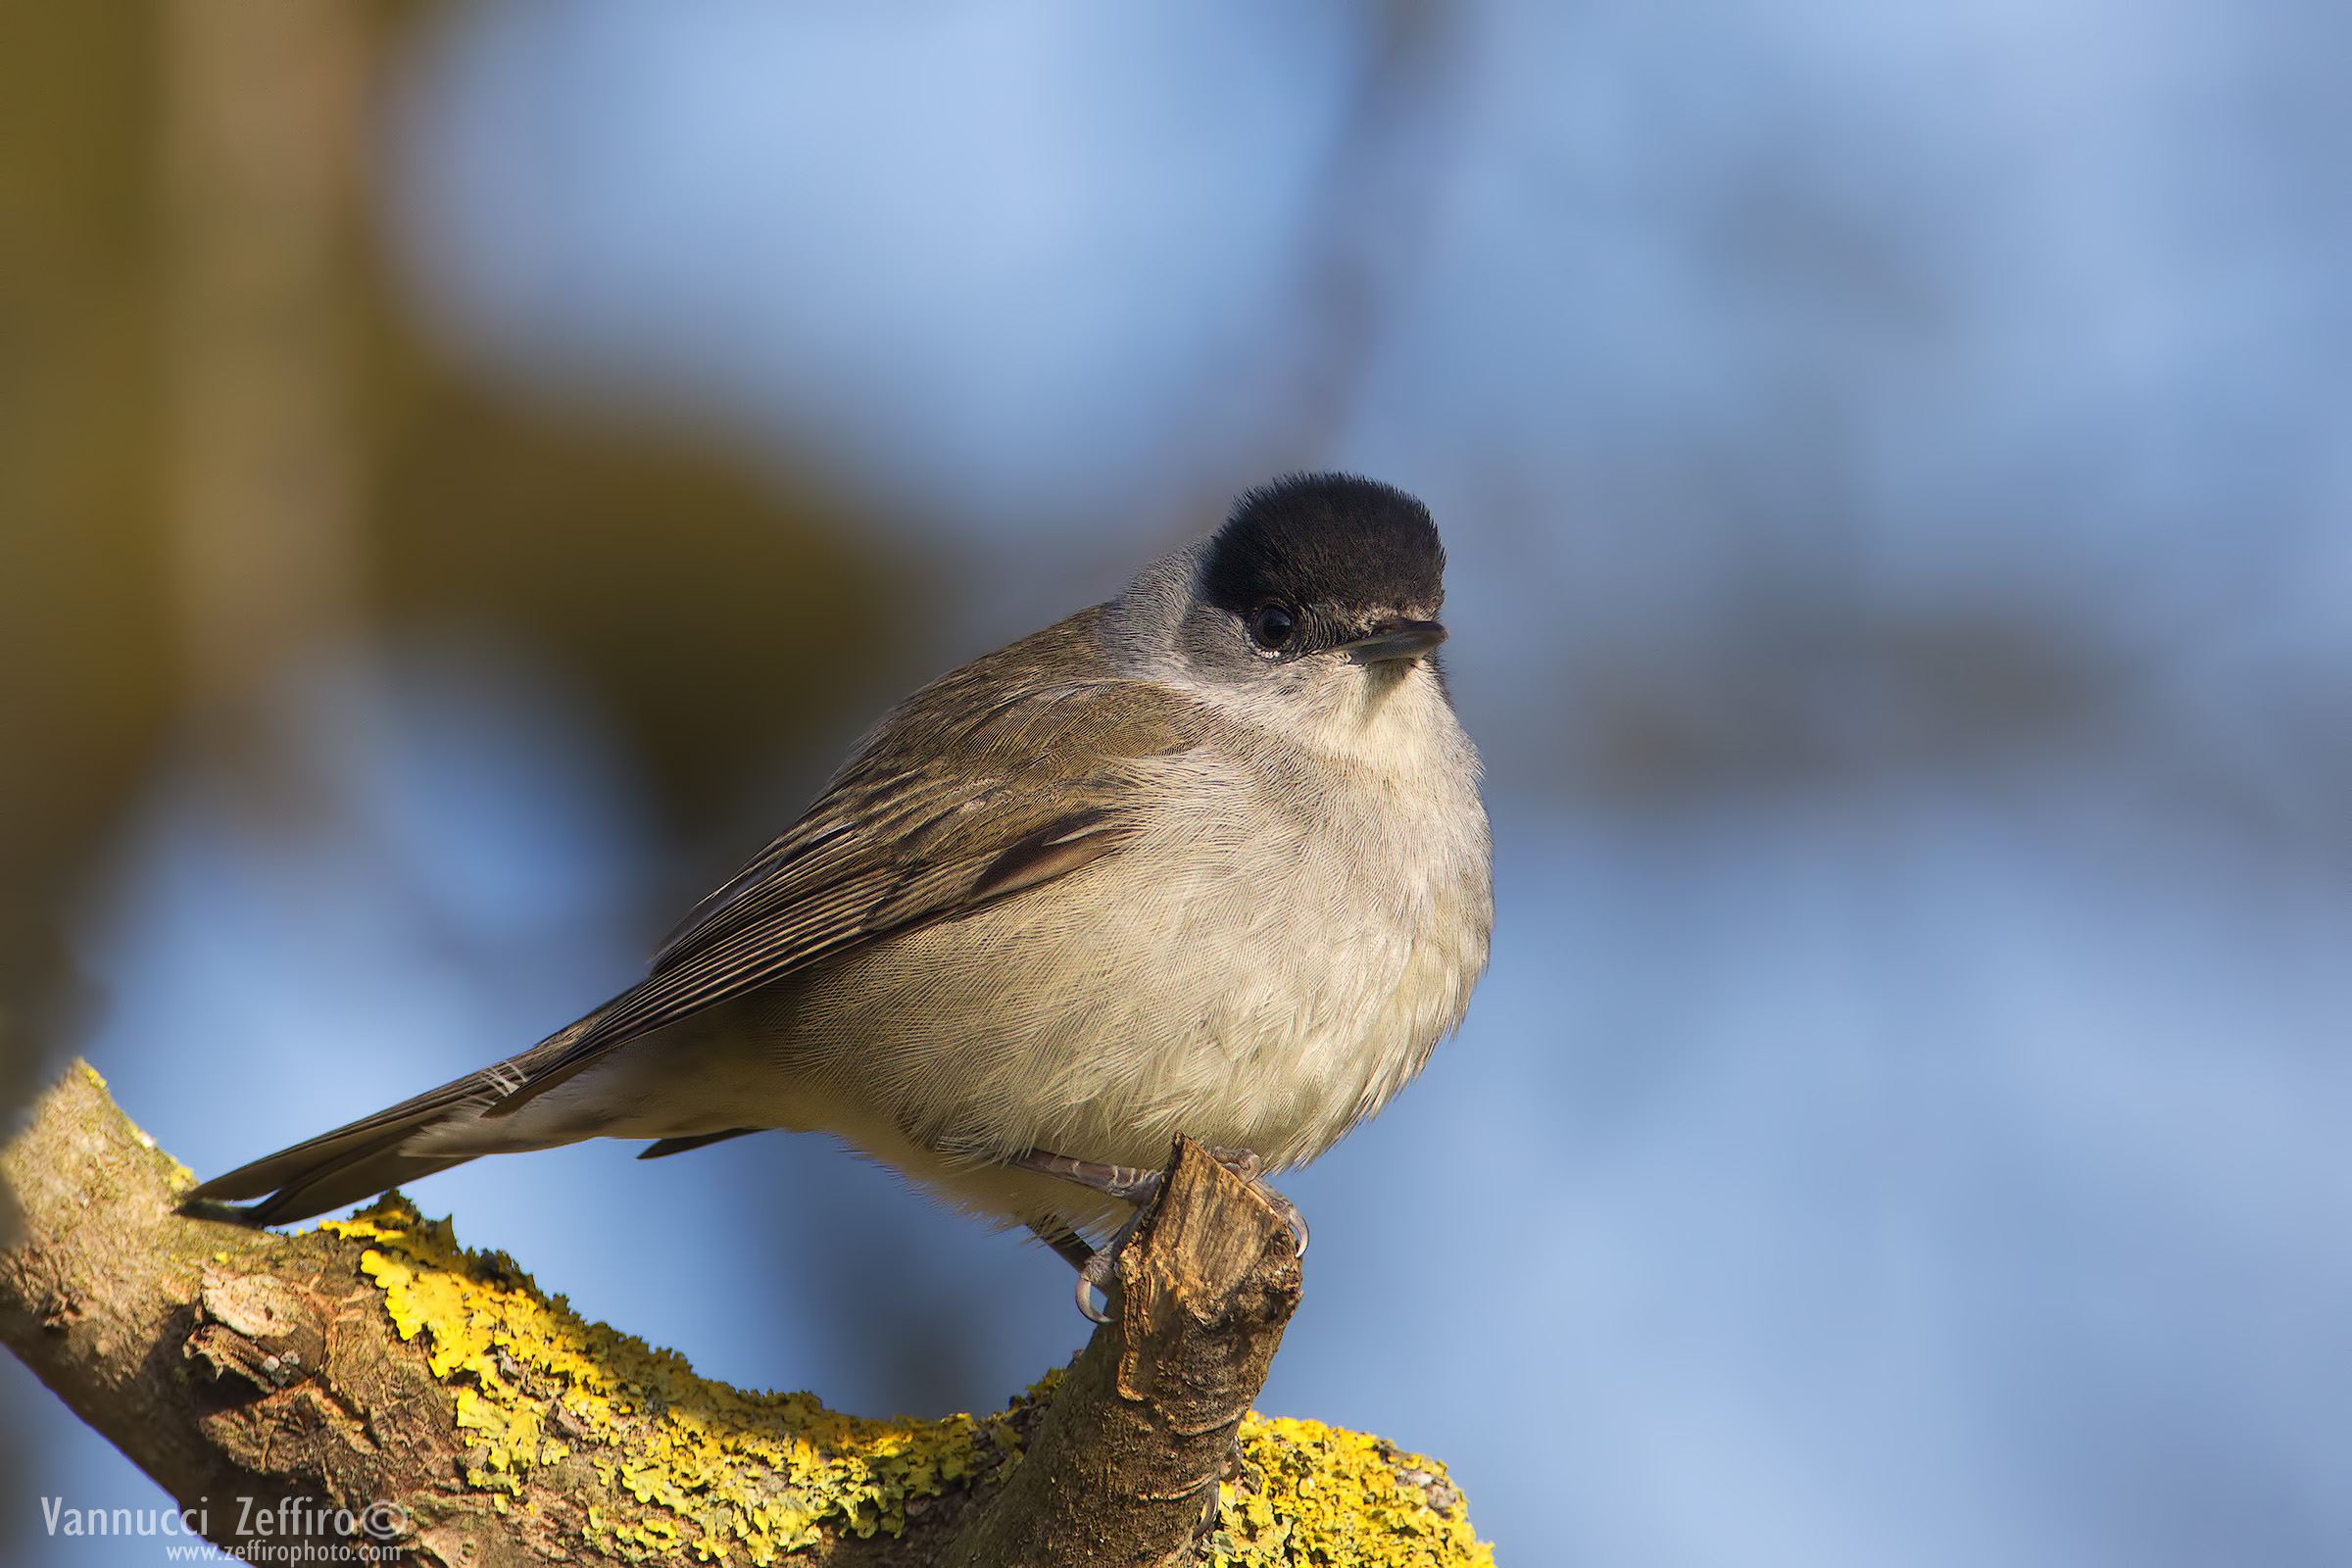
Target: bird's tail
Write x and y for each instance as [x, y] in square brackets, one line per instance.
[379, 1152]
[355, 1161]
[329, 1181]
[396, 1145]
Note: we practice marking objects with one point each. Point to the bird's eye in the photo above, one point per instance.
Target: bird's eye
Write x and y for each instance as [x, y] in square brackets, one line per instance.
[1272, 627]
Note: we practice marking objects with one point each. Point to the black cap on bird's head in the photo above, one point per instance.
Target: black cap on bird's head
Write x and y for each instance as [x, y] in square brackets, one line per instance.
[1317, 562]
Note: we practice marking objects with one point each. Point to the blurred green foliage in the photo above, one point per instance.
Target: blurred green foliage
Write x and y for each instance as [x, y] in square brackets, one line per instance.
[714, 611]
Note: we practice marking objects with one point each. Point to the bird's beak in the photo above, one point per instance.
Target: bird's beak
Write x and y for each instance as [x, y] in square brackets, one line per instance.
[1395, 639]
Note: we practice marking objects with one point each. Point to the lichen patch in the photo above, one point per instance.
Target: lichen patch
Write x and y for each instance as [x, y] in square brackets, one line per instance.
[689, 1465]
[1308, 1494]
[683, 1468]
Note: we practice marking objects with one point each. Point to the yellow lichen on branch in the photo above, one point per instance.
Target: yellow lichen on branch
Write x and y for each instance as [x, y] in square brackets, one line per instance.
[374, 1363]
[689, 1462]
[1311, 1494]
[728, 1473]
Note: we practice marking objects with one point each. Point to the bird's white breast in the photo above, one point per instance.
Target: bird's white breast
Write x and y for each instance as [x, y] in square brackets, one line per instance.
[1363, 851]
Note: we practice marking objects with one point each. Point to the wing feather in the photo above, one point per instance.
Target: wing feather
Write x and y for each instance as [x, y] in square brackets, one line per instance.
[985, 784]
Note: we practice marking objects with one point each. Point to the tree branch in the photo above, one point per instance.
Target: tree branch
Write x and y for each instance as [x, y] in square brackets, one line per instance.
[371, 1384]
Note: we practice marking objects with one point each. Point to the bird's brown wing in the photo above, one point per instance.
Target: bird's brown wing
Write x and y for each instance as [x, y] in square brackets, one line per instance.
[1007, 773]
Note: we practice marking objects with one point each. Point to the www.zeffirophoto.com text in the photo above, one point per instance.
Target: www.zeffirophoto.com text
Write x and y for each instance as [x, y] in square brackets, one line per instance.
[251, 1529]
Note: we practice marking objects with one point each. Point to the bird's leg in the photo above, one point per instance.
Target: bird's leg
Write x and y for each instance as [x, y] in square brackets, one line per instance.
[1130, 1184]
[1135, 1185]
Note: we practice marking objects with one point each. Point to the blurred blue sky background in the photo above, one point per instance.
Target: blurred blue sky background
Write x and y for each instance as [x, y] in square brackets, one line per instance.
[1896, 466]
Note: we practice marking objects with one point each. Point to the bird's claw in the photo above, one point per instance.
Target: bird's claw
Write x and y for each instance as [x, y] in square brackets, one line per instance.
[1131, 1183]
[1096, 1278]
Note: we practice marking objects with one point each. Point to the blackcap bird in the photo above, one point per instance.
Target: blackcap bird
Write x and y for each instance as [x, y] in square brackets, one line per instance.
[1208, 859]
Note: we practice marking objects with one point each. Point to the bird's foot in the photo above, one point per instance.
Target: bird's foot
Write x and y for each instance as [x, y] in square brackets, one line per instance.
[1094, 1264]
[1137, 1185]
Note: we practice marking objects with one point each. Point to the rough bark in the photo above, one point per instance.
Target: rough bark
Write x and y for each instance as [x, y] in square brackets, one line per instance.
[371, 1384]
[1125, 1467]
